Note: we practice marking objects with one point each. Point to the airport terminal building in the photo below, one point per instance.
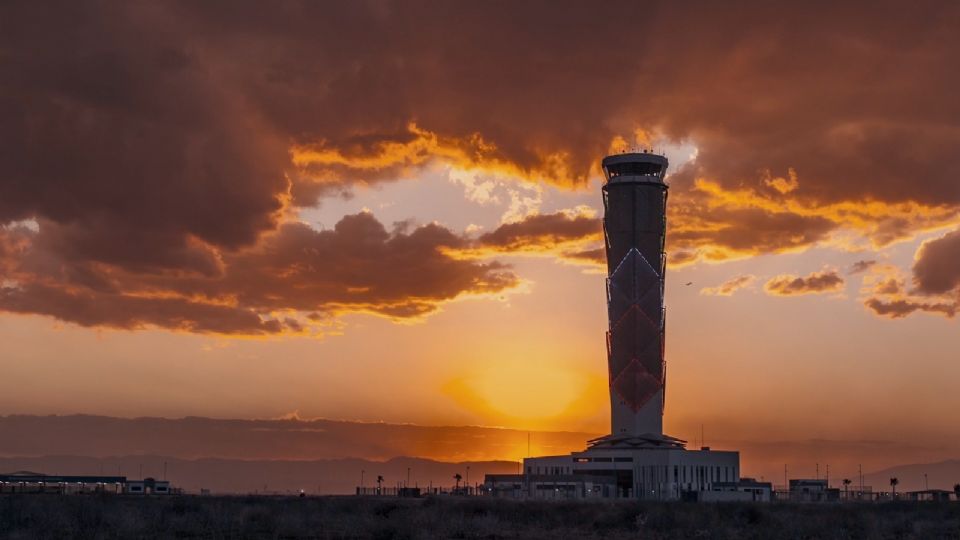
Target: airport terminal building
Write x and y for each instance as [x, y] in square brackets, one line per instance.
[636, 460]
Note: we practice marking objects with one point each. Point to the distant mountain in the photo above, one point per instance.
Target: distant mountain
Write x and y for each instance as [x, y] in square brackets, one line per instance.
[940, 475]
[334, 476]
[194, 437]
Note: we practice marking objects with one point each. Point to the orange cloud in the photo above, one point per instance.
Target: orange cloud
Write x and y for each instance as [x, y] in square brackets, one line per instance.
[815, 283]
[896, 309]
[405, 155]
[732, 285]
[158, 140]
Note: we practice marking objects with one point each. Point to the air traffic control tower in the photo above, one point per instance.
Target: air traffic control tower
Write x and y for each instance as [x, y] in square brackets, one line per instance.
[634, 230]
[636, 459]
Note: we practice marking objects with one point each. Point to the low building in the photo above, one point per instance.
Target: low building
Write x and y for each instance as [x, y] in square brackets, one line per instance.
[645, 473]
[746, 489]
[811, 490]
[33, 482]
[147, 486]
[931, 495]
[549, 486]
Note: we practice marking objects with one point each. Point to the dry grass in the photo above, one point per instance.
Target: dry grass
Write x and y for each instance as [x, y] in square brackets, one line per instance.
[42, 516]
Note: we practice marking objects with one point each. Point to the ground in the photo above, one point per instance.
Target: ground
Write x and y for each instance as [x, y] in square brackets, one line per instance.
[52, 516]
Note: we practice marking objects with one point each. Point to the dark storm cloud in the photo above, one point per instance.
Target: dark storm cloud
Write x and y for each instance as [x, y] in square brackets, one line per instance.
[164, 142]
[815, 283]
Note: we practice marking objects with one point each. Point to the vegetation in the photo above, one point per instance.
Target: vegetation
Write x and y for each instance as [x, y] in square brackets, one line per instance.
[53, 516]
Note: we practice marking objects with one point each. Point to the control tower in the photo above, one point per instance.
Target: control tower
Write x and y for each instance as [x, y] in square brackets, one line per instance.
[636, 459]
[634, 227]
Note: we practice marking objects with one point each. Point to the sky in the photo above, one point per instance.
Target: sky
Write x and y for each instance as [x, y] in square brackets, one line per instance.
[389, 211]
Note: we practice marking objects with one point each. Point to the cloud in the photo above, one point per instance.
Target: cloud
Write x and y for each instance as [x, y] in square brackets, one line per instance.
[896, 309]
[168, 139]
[937, 266]
[936, 282]
[543, 232]
[732, 285]
[815, 283]
[288, 282]
[861, 266]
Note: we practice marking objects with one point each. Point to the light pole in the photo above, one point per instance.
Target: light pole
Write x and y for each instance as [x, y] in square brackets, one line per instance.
[361, 480]
[408, 478]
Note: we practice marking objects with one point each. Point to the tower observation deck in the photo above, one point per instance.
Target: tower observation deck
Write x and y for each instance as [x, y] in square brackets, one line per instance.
[634, 226]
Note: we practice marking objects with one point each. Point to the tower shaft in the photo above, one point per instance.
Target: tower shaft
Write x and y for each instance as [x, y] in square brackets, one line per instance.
[634, 224]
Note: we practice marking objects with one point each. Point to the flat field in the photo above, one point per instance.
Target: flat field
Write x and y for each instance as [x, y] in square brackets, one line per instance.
[53, 516]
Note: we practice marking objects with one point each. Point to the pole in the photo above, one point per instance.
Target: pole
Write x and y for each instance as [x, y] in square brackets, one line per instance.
[408, 478]
[361, 480]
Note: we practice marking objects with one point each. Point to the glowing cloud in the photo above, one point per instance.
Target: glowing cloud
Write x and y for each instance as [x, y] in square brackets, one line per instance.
[815, 283]
[727, 288]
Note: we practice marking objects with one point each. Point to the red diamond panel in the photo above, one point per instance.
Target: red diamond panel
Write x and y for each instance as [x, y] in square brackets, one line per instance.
[636, 386]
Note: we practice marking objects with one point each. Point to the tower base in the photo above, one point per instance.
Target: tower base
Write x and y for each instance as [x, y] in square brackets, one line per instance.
[647, 467]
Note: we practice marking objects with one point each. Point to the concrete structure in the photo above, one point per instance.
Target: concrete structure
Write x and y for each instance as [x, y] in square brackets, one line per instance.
[636, 459]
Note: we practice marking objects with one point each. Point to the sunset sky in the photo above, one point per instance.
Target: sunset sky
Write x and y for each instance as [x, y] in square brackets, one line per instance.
[389, 211]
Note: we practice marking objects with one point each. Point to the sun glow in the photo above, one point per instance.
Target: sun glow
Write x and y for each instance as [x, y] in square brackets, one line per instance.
[533, 394]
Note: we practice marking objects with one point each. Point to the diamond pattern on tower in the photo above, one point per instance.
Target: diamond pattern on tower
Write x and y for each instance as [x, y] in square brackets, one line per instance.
[634, 276]
[633, 332]
[636, 386]
[635, 308]
[650, 358]
[617, 302]
[651, 305]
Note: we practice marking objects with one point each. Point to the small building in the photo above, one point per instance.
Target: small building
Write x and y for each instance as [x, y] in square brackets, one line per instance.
[550, 486]
[147, 486]
[746, 489]
[812, 490]
[931, 495]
